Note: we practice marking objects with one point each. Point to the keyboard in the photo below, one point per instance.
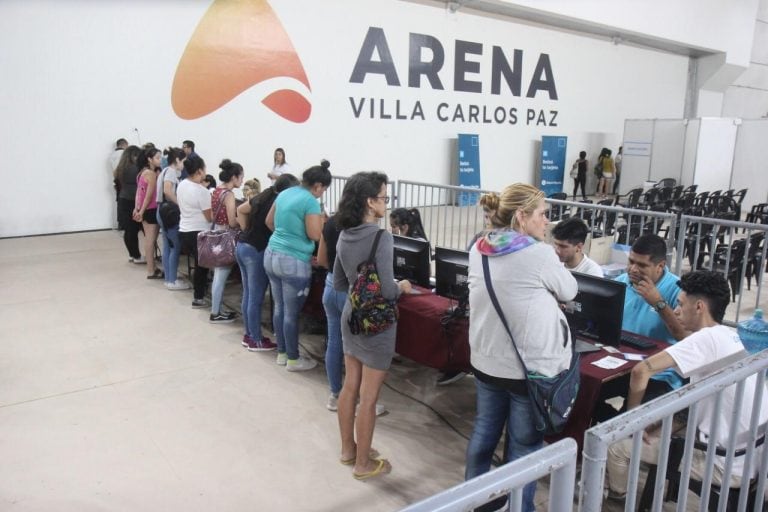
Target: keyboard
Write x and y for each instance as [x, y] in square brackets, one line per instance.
[635, 341]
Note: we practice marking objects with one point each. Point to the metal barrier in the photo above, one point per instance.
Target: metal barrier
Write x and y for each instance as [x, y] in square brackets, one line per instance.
[447, 224]
[557, 460]
[692, 242]
[599, 438]
[715, 244]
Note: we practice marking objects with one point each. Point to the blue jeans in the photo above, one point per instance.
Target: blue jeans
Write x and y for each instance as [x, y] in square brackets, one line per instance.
[333, 303]
[171, 250]
[220, 275]
[289, 278]
[495, 408]
[255, 282]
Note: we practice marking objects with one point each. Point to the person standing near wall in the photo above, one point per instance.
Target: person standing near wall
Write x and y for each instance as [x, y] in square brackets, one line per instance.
[617, 164]
[605, 185]
[145, 209]
[296, 222]
[195, 216]
[166, 191]
[114, 160]
[580, 167]
[126, 173]
[279, 165]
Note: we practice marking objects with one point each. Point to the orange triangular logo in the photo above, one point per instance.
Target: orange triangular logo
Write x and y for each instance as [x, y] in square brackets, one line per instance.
[238, 44]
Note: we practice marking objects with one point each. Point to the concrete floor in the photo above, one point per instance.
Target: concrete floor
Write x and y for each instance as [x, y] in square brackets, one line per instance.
[116, 395]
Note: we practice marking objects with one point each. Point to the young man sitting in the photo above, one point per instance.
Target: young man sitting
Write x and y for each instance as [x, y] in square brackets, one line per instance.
[700, 308]
[569, 236]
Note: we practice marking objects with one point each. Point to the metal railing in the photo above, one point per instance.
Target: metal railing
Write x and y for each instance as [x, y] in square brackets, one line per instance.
[557, 461]
[598, 439]
[716, 244]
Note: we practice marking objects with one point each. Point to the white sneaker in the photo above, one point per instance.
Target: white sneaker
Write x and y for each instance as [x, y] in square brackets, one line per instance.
[282, 358]
[139, 261]
[333, 403]
[178, 284]
[301, 364]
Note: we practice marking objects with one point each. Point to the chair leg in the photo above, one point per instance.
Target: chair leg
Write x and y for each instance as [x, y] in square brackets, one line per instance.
[646, 499]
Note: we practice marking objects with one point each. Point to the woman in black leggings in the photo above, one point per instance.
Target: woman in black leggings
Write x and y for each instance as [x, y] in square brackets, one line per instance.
[581, 165]
[126, 172]
[195, 216]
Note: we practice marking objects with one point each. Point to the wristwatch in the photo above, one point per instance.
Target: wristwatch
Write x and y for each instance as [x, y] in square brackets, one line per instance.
[660, 305]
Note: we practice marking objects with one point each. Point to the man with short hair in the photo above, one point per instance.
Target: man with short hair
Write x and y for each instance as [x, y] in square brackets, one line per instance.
[569, 237]
[700, 309]
[650, 301]
[189, 148]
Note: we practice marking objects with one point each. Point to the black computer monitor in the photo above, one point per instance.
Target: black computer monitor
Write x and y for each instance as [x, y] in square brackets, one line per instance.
[451, 270]
[597, 311]
[411, 260]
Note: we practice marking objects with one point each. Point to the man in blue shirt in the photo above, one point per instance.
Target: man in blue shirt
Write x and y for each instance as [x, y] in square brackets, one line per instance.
[650, 302]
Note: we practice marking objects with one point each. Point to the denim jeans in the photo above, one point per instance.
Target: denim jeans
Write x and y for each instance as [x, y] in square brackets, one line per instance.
[171, 250]
[495, 408]
[220, 275]
[333, 303]
[255, 282]
[289, 278]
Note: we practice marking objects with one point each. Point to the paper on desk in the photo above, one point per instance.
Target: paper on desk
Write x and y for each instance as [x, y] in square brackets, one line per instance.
[609, 362]
[633, 357]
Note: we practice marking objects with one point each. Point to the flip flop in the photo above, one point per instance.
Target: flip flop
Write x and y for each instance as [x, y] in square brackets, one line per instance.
[383, 467]
[158, 274]
[373, 454]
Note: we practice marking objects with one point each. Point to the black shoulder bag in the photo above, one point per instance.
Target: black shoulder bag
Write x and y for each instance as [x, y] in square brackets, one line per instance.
[552, 398]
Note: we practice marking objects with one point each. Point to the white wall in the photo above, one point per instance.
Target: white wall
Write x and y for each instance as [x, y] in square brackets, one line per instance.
[77, 75]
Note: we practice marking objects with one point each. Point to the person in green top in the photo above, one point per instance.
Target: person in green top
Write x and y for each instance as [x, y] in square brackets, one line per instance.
[296, 221]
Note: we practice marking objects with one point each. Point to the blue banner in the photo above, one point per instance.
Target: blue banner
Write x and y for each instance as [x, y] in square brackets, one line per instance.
[552, 164]
[469, 167]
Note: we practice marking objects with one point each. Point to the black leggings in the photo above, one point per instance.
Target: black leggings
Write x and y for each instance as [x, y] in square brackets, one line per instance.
[200, 278]
[130, 227]
[581, 179]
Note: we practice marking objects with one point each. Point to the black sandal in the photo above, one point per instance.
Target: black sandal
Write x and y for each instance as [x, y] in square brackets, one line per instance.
[157, 275]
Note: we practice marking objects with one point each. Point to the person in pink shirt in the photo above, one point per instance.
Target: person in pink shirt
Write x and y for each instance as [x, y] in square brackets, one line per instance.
[146, 205]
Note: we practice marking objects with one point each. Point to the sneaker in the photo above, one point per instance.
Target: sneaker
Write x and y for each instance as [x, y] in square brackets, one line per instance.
[199, 303]
[262, 345]
[301, 364]
[139, 261]
[333, 402]
[247, 340]
[222, 318]
[282, 358]
[450, 377]
[178, 285]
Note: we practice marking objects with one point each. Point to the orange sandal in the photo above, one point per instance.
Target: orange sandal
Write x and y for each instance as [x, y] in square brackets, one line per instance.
[383, 467]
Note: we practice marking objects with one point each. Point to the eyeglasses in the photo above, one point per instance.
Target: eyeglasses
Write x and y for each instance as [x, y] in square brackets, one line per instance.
[385, 198]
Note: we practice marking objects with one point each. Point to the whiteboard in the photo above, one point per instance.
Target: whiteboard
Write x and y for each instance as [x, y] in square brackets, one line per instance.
[636, 165]
[714, 156]
[750, 162]
[668, 144]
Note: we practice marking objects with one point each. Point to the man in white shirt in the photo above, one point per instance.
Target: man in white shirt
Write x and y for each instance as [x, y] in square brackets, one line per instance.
[711, 346]
[569, 236]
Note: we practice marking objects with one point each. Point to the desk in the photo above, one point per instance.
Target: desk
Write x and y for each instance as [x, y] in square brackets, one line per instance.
[422, 337]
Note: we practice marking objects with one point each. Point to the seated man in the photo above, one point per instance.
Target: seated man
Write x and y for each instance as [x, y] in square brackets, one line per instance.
[701, 306]
[650, 302]
[569, 236]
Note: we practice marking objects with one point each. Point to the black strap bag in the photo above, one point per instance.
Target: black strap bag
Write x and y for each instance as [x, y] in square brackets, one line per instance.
[169, 212]
[552, 398]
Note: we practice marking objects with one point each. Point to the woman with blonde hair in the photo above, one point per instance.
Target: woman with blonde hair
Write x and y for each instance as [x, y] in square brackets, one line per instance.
[251, 189]
[528, 280]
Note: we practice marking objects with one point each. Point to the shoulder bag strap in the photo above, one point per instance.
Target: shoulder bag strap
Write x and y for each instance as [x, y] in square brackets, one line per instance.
[372, 256]
[495, 301]
[162, 185]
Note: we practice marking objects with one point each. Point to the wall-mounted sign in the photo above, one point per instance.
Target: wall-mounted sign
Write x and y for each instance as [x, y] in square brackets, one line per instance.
[552, 164]
[637, 148]
[469, 167]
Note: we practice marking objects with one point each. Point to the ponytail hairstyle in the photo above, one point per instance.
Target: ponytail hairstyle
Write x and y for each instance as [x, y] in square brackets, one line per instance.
[251, 189]
[145, 156]
[318, 174]
[174, 154]
[516, 197]
[490, 204]
[410, 218]
[229, 170]
[193, 164]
